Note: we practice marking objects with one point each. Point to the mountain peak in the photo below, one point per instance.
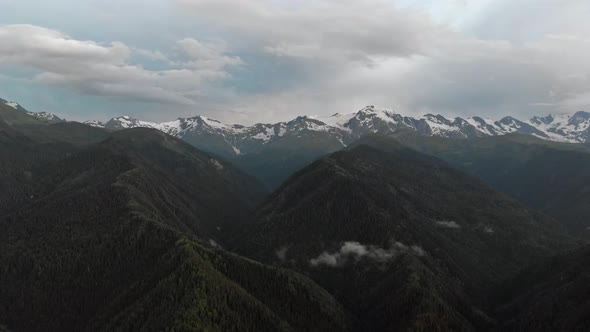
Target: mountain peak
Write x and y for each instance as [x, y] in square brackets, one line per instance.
[94, 123]
[579, 118]
[304, 120]
[367, 109]
[542, 120]
[372, 110]
[124, 122]
[46, 116]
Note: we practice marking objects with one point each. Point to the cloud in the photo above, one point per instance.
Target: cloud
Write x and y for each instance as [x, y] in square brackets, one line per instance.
[448, 224]
[282, 253]
[206, 56]
[403, 57]
[88, 67]
[327, 259]
[323, 29]
[356, 251]
[274, 59]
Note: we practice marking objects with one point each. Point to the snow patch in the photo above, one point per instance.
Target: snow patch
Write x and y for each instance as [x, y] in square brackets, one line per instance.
[214, 123]
[12, 104]
[439, 126]
[45, 116]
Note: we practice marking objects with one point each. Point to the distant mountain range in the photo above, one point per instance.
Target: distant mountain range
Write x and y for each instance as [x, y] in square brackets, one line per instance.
[346, 128]
[272, 152]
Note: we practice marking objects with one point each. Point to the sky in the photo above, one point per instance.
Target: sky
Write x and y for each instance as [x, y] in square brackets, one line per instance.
[243, 61]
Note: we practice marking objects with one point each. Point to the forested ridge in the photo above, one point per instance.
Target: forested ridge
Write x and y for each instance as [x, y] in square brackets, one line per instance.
[415, 228]
[106, 237]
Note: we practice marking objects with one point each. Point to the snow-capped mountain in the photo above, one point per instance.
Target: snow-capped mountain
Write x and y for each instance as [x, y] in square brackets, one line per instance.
[575, 128]
[43, 116]
[12, 104]
[234, 140]
[345, 128]
[46, 117]
[95, 123]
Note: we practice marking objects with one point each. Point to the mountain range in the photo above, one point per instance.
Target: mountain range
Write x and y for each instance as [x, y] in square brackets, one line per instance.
[285, 147]
[346, 128]
[135, 229]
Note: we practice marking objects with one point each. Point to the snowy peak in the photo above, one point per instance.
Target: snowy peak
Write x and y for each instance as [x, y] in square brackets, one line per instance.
[564, 127]
[542, 120]
[306, 123]
[346, 128]
[43, 116]
[580, 120]
[370, 113]
[124, 122]
[94, 123]
[46, 117]
[441, 126]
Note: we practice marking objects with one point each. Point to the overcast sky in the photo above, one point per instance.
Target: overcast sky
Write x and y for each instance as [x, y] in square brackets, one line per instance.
[243, 61]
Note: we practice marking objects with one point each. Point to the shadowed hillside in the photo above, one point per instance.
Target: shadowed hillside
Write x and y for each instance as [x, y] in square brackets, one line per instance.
[117, 236]
[377, 223]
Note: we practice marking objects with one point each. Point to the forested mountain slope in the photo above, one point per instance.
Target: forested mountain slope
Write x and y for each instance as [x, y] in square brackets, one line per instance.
[553, 178]
[550, 296]
[383, 222]
[121, 235]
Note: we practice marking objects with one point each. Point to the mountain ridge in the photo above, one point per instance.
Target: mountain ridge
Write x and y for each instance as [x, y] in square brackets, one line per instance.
[346, 128]
[43, 116]
[561, 127]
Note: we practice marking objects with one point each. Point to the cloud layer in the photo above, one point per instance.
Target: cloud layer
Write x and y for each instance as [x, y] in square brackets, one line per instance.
[93, 68]
[272, 59]
[401, 57]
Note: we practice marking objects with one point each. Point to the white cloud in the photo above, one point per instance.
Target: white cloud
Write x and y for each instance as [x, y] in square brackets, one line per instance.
[206, 56]
[448, 224]
[456, 57]
[93, 68]
[324, 29]
[282, 253]
[356, 251]
[349, 54]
